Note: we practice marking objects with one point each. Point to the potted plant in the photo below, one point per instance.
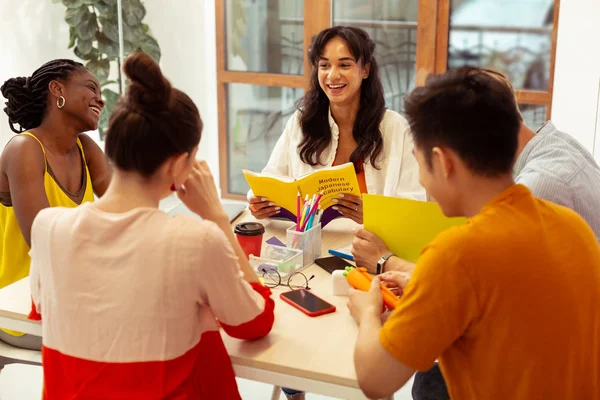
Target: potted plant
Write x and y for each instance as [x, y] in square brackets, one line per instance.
[94, 38]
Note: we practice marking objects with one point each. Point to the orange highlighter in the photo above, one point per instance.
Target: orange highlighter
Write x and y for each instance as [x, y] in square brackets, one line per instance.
[360, 279]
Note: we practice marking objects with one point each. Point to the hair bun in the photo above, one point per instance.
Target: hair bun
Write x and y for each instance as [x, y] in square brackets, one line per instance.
[148, 88]
[19, 103]
[15, 87]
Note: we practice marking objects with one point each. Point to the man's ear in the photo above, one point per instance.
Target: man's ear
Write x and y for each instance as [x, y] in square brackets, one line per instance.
[56, 88]
[443, 160]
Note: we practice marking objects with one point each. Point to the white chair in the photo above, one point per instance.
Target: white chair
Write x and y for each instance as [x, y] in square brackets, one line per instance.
[15, 355]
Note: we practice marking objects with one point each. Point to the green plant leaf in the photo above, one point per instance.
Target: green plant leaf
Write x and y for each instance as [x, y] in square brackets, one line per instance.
[110, 100]
[88, 26]
[73, 16]
[72, 36]
[90, 2]
[92, 55]
[109, 28]
[56, 1]
[133, 12]
[132, 33]
[129, 47]
[110, 97]
[150, 46]
[107, 46]
[100, 68]
[72, 3]
[106, 10]
[145, 28]
[110, 2]
[83, 46]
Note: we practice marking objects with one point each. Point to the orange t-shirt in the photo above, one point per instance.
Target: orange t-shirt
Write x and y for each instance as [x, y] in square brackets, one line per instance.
[509, 303]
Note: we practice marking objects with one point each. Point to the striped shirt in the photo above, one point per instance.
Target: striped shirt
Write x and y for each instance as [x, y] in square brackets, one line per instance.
[556, 167]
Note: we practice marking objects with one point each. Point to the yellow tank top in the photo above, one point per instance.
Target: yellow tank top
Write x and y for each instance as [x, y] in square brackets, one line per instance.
[14, 251]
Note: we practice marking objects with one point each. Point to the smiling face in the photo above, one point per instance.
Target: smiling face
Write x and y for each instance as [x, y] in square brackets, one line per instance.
[340, 74]
[83, 101]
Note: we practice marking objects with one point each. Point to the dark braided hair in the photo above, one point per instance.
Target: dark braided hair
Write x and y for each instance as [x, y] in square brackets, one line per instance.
[27, 97]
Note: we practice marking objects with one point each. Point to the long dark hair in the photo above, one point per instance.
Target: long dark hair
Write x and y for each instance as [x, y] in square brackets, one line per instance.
[28, 97]
[314, 106]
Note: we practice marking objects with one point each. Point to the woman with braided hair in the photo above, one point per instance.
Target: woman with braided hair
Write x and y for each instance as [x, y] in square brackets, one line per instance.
[49, 163]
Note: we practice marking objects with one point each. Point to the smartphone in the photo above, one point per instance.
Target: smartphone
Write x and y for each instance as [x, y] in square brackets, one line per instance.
[331, 264]
[307, 302]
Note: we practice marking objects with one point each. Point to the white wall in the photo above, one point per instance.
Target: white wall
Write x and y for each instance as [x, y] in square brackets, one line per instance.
[185, 30]
[577, 75]
[31, 33]
[597, 134]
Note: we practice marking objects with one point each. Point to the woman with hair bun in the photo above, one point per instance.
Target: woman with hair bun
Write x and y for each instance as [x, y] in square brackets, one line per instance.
[50, 163]
[130, 295]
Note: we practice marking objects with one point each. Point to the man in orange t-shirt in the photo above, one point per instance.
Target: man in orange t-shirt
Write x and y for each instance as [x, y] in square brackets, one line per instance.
[509, 302]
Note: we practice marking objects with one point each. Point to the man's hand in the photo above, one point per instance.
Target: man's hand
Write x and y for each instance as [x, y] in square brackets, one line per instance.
[364, 303]
[367, 249]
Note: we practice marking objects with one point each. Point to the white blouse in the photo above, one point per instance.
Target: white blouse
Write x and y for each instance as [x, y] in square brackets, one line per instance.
[398, 173]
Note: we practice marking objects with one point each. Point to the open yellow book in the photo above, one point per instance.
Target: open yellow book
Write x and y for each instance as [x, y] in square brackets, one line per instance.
[406, 226]
[283, 191]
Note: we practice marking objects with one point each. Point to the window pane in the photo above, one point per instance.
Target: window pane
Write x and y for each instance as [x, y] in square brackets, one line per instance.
[392, 24]
[510, 36]
[265, 36]
[256, 116]
[533, 115]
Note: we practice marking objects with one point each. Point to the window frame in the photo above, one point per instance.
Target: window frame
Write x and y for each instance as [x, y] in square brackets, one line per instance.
[431, 57]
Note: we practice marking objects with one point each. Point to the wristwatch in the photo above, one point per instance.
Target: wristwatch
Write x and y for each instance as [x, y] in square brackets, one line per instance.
[382, 262]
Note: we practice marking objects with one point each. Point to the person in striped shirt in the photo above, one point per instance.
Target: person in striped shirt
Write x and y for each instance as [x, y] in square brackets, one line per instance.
[132, 298]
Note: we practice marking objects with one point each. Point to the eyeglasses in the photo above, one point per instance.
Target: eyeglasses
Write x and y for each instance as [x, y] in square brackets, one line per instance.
[297, 280]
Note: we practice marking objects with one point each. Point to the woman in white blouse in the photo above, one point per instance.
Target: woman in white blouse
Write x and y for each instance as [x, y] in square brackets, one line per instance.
[342, 118]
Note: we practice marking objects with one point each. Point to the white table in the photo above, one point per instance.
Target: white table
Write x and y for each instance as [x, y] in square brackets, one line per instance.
[304, 353]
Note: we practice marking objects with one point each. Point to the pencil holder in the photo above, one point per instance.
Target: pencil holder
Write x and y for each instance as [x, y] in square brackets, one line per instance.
[308, 241]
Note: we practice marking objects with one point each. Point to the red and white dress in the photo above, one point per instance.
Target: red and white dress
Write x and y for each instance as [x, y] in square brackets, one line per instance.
[130, 304]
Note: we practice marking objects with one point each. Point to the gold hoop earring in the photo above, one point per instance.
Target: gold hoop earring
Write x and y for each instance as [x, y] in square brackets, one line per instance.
[59, 104]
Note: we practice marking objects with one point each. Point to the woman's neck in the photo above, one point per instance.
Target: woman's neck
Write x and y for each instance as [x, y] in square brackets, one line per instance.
[128, 191]
[58, 135]
[344, 114]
